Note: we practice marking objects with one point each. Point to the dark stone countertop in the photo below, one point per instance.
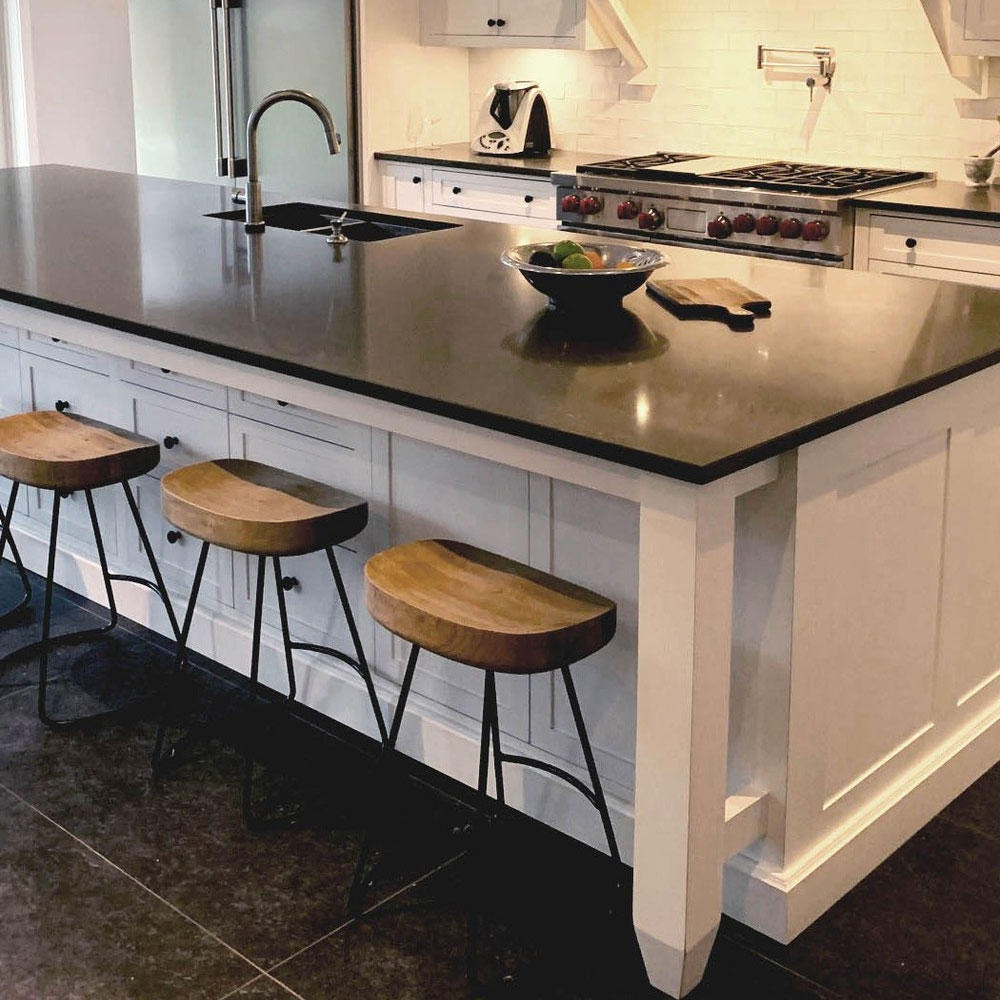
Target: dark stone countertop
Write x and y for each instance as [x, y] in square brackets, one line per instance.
[458, 155]
[949, 198]
[435, 322]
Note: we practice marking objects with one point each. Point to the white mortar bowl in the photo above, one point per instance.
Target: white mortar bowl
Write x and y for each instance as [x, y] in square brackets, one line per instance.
[978, 170]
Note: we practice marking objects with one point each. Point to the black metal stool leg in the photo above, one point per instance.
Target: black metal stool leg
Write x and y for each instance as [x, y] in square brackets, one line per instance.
[285, 636]
[47, 608]
[246, 802]
[364, 669]
[356, 894]
[7, 537]
[161, 757]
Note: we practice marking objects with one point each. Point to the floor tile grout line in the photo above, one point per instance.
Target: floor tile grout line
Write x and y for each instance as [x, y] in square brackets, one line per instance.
[352, 920]
[829, 991]
[145, 888]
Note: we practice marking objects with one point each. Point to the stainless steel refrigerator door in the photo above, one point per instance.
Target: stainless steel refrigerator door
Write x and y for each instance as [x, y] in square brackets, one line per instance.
[275, 44]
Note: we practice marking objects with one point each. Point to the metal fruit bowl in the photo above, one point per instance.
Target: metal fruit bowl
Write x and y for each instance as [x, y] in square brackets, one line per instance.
[600, 288]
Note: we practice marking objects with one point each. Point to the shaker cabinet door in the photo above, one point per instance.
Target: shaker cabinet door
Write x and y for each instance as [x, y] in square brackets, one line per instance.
[468, 17]
[982, 20]
[540, 20]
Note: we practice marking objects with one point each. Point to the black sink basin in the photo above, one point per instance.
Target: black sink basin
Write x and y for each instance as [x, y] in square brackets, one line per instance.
[365, 227]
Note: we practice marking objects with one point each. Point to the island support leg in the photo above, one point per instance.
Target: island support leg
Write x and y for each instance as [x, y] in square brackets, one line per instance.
[685, 621]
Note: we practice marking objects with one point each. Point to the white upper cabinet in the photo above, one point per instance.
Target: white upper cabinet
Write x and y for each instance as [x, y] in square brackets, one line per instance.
[975, 27]
[522, 23]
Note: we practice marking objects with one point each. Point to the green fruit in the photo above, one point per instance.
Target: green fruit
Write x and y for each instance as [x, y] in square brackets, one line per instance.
[566, 248]
[578, 262]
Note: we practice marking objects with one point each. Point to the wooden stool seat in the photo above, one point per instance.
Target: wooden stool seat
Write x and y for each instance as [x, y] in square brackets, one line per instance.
[259, 510]
[484, 610]
[63, 451]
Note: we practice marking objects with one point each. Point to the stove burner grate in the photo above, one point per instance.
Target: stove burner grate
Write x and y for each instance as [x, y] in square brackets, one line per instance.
[812, 179]
[634, 164]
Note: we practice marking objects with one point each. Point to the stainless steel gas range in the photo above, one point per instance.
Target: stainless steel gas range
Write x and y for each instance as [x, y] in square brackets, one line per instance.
[795, 211]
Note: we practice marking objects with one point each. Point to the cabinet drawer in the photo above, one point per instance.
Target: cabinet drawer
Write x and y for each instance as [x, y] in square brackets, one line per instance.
[43, 382]
[60, 350]
[165, 380]
[176, 553]
[10, 381]
[313, 606]
[510, 196]
[201, 432]
[8, 335]
[935, 273]
[959, 246]
[301, 420]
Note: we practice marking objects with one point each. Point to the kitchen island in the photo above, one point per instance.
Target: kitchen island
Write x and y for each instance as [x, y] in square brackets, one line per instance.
[796, 521]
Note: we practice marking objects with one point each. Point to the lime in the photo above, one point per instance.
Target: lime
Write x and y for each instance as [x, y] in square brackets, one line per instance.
[578, 262]
[566, 248]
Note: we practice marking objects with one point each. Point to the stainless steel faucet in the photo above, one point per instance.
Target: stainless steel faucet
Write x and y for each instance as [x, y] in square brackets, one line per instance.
[255, 205]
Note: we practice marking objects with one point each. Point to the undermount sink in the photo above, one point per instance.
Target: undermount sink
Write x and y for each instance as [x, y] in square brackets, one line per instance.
[364, 227]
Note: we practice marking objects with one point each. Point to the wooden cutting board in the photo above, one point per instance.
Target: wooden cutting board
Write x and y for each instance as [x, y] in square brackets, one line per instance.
[721, 297]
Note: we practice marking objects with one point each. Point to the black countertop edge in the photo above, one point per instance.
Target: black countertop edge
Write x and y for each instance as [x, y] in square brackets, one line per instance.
[619, 455]
[493, 165]
[943, 211]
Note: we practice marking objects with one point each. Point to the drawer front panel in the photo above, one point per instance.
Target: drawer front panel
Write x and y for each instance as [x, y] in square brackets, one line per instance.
[935, 273]
[279, 413]
[532, 199]
[60, 350]
[165, 380]
[9, 335]
[176, 553]
[43, 383]
[956, 246]
[201, 433]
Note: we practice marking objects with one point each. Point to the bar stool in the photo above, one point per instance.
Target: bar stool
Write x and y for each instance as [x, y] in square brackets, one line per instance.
[498, 615]
[268, 513]
[7, 538]
[63, 453]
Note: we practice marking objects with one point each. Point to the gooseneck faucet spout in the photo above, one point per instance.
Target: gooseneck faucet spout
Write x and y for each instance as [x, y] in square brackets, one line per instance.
[255, 205]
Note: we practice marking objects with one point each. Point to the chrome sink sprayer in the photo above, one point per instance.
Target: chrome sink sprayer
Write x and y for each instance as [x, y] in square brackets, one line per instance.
[255, 206]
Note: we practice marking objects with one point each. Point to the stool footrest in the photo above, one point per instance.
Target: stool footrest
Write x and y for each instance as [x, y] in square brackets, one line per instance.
[559, 772]
[311, 647]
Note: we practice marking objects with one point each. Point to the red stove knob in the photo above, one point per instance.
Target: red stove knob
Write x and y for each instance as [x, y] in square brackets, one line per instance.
[744, 223]
[790, 229]
[650, 219]
[816, 230]
[591, 205]
[628, 210]
[720, 227]
[571, 203]
[767, 225]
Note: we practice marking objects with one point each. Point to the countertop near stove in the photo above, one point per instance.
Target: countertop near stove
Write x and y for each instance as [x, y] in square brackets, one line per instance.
[948, 198]
[458, 155]
[435, 322]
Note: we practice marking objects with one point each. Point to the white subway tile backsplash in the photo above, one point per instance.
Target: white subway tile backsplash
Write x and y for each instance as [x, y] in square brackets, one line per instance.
[893, 99]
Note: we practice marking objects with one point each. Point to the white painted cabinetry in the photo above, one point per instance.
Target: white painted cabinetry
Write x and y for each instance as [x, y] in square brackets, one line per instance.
[975, 27]
[468, 194]
[524, 23]
[922, 246]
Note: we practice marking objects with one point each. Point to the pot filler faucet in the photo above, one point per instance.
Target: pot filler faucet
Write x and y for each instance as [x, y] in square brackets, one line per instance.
[255, 207]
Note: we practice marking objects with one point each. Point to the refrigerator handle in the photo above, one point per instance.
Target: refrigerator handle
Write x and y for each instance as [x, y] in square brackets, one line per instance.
[220, 159]
[235, 166]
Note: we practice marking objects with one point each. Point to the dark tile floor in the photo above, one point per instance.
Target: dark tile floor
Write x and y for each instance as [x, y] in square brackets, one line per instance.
[115, 887]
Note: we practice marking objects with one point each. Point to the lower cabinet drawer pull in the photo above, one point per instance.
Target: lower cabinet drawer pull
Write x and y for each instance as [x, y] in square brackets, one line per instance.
[417, 180]
[166, 371]
[289, 583]
[62, 405]
[55, 340]
[281, 402]
[911, 242]
[173, 537]
[170, 442]
[456, 190]
[528, 199]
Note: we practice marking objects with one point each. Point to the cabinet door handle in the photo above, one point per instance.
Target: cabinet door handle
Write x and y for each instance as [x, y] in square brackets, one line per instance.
[170, 442]
[500, 22]
[528, 199]
[281, 402]
[492, 22]
[289, 583]
[417, 180]
[173, 537]
[55, 340]
[911, 242]
[456, 190]
[62, 405]
[166, 371]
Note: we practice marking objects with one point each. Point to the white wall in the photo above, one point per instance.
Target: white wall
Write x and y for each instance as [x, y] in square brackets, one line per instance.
[892, 103]
[79, 82]
[404, 79]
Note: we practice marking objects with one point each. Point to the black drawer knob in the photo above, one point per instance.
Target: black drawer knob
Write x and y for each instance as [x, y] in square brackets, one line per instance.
[528, 199]
[492, 22]
[170, 442]
[289, 583]
[166, 371]
[456, 190]
[173, 537]
[55, 340]
[62, 405]
[281, 402]
[910, 242]
[417, 180]
[500, 22]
